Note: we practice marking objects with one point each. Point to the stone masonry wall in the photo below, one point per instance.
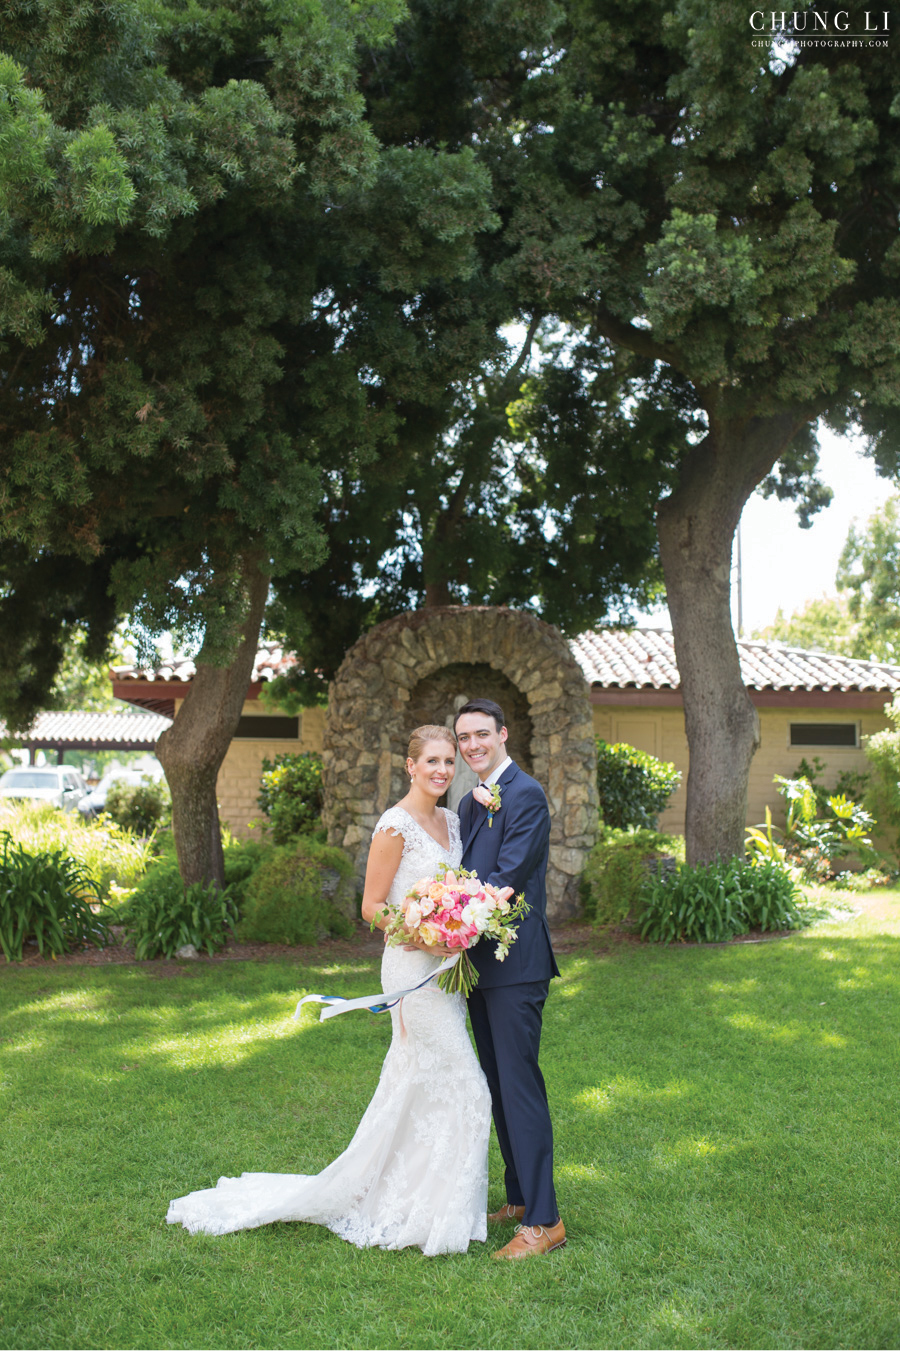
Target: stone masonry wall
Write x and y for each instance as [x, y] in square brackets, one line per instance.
[378, 689]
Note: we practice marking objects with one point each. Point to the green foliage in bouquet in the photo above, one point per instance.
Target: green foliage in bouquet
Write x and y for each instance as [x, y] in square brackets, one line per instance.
[290, 794]
[436, 919]
[47, 897]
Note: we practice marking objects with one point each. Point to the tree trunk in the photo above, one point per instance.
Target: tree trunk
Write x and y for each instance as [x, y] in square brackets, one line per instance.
[191, 751]
[696, 527]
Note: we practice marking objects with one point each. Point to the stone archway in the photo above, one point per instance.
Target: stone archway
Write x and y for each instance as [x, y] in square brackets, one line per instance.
[414, 669]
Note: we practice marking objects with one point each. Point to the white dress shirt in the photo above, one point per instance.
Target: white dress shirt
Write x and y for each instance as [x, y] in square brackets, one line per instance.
[495, 773]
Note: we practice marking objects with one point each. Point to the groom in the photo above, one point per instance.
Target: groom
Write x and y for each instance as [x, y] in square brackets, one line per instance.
[508, 846]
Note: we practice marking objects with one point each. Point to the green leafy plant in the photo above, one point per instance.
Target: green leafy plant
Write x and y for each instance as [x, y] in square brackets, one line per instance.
[617, 867]
[242, 859]
[883, 794]
[816, 843]
[865, 881]
[286, 899]
[851, 783]
[710, 903]
[633, 787]
[140, 807]
[290, 794]
[47, 897]
[162, 915]
[761, 844]
[115, 857]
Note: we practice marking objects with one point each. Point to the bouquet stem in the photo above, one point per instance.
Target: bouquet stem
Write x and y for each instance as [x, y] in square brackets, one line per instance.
[461, 978]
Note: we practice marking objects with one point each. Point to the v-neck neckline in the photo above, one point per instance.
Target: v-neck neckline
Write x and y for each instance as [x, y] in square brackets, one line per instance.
[440, 844]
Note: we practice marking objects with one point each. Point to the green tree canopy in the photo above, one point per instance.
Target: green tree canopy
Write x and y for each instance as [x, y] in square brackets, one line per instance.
[823, 623]
[706, 216]
[869, 578]
[205, 263]
[727, 213]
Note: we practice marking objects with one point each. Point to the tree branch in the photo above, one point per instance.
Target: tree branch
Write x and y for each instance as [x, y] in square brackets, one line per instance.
[639, 340]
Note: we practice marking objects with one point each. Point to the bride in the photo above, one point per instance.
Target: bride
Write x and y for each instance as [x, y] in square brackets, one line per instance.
[415, 1172]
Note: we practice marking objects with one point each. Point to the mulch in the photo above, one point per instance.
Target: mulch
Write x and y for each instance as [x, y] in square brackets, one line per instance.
[573, 936]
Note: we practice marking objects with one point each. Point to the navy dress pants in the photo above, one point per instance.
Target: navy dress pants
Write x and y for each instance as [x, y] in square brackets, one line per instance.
[506, 1021]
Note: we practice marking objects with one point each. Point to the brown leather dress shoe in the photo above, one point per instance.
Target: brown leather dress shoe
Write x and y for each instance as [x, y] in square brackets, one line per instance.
[506, 1214]
[531, 1240]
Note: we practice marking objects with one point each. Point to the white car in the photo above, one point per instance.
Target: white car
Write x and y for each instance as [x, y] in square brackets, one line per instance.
[56, 784]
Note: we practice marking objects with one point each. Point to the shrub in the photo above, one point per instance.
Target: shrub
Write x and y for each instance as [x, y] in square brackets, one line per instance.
[633, 787]
[616, 869]
[286, 900]
[883, 794]
[162, 915]
[242, 859]
[140, 807]
[290, 794]
[46, 896]
[111, 854]
[712, 902]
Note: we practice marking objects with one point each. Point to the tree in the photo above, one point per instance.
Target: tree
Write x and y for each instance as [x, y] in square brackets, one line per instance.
[728, 214]
[500, 489]
[863, 620]
[489, 499]
[201, 242]
[823, 623]
[700, 212]
[869, 574]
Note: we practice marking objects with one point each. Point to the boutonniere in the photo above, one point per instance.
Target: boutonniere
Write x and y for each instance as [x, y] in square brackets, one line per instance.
[489, 796]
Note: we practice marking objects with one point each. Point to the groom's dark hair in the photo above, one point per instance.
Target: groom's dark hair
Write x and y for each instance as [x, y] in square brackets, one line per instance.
[482, 706]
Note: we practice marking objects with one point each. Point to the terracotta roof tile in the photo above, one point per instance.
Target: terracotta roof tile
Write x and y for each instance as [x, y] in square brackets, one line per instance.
[645, 658]
[271, 660]
[641, 658]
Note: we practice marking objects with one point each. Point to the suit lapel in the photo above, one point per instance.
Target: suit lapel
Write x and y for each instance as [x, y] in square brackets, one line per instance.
[481, 813]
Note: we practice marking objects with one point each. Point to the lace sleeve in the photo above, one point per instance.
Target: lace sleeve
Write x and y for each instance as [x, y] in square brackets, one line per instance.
[394, 821]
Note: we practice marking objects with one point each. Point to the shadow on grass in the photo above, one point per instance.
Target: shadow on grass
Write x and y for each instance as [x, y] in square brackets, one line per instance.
[725, 1144]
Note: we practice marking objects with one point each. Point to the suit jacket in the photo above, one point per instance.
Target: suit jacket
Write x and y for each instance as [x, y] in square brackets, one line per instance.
[513, 853]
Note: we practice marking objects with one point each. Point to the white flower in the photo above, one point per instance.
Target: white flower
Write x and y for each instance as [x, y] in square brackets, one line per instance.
[477, 913]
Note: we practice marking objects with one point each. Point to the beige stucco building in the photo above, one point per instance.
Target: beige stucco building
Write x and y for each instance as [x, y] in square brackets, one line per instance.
[263, 732]
[810, 704]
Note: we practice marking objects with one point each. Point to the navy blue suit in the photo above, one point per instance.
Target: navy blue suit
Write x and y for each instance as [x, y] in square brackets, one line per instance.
[506, 1005]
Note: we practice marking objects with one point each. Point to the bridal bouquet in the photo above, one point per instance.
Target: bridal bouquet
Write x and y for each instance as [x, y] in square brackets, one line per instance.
[456, 909]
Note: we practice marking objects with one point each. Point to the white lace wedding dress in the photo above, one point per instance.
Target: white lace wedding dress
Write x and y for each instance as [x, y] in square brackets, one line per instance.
[415, 1172]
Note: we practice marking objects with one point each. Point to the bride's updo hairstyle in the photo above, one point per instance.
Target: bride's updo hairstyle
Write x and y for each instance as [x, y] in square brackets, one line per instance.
[422, 735]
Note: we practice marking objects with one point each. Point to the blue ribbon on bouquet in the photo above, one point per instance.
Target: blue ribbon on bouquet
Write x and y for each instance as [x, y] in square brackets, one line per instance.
[335, 1004]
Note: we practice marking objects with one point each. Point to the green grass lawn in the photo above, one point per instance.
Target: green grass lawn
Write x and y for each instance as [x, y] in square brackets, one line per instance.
[728, 1155]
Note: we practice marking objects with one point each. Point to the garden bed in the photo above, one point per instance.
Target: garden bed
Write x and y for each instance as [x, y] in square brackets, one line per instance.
[574, 936]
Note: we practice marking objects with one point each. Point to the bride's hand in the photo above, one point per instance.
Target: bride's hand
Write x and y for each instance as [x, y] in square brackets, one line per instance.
[436, 949]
